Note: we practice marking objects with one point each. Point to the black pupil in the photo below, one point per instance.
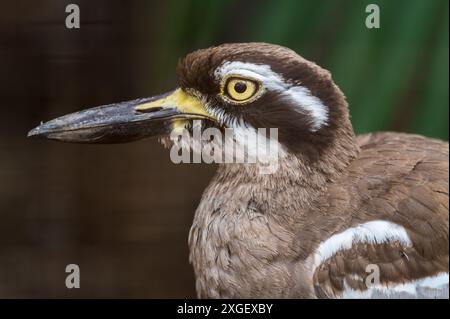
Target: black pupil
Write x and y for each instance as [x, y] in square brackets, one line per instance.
[240, 87]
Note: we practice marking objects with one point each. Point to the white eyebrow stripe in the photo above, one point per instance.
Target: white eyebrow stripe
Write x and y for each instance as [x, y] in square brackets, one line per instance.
[260, 72]
[310, 103]
[272, 81]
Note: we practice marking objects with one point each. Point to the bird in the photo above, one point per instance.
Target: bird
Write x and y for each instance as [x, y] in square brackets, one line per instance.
[341, 216]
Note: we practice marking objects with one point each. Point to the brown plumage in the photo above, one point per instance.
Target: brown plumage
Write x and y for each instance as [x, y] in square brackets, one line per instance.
[253, 235]
[336, 207]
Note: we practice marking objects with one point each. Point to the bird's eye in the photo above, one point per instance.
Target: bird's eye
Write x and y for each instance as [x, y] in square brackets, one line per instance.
[239, 90]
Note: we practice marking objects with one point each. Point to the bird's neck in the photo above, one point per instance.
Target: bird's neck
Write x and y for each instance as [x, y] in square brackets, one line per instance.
[295, 173]
[242, 209]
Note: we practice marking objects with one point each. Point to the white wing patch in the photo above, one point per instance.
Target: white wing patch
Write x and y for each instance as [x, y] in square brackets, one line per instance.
[435, 287]
[272, 81]
[378, 232]
[374, 232]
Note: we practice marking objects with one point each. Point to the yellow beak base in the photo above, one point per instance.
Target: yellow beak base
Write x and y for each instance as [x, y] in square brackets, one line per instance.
[185, 103]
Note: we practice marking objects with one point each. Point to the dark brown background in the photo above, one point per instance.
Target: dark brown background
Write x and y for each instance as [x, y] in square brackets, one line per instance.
[122, 212]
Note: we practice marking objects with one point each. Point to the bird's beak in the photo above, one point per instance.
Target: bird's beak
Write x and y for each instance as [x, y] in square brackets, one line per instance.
[126, 121]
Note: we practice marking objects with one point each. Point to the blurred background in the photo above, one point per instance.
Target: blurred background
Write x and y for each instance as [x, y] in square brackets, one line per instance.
[123, 212]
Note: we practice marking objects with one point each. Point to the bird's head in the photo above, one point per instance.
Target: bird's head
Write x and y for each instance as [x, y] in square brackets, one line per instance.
[242, 86]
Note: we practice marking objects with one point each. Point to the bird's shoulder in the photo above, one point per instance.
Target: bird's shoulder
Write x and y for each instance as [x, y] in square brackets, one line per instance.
[401, 177]
[388, 211]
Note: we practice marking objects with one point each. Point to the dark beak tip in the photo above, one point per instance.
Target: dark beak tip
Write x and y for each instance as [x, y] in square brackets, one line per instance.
[34, 132]
[113, 123]
[41, 131]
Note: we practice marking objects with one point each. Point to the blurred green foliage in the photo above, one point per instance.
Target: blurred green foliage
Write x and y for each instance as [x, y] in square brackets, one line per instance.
[395, 77]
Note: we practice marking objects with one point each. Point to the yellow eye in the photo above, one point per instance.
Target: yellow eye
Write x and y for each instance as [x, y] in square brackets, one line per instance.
[240, 90]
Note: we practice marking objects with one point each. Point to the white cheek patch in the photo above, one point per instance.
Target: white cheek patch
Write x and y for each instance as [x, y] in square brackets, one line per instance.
[299, 95]
[251, 143]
